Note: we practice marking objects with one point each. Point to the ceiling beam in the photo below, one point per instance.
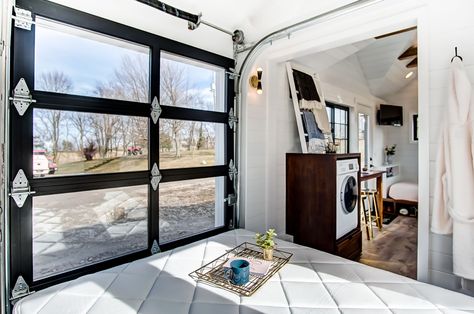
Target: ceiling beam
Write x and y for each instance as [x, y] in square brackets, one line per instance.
[413, 63]
[396, 32]
[409, 53]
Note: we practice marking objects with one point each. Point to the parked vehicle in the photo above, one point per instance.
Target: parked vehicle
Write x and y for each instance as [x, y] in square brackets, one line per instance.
[135, 150]
[42, 164]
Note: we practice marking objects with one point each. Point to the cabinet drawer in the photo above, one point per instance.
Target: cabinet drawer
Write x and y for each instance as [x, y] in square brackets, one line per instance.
[351, 246]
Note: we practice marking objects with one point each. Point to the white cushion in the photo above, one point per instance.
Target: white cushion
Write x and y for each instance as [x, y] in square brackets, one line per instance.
[313, 282]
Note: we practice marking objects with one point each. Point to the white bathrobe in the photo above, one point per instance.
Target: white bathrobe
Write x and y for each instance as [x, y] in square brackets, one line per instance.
[453, 208]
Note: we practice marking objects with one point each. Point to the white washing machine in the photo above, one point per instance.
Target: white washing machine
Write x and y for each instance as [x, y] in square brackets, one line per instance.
[347, 194]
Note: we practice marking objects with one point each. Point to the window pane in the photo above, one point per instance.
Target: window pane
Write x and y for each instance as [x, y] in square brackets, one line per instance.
[337, 131]
[186, 144]
[338, 116]
[66, 143]
[71, 60]
[329, 111]
[191, 84]
[343, 131]
[190, 207]
[73, 230]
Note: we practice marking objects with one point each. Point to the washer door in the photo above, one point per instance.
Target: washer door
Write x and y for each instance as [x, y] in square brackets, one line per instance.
[349, 194]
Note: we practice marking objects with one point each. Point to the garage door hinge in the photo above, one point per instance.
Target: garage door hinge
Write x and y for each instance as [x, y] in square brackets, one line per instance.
[233, 120]
[155, 177]
[22, 97]
[232, 74]
[232, 170]
[231, 199]
[155, 110]
[2, 47]
[23, 18]
[20, 189]
[155, 248]
[20, 290]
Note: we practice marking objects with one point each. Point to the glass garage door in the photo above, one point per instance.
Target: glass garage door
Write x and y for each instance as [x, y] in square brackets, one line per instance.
[126, 146]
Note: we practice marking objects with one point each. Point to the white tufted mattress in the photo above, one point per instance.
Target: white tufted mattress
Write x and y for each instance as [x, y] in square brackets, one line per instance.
[313, 282]
[404, 191]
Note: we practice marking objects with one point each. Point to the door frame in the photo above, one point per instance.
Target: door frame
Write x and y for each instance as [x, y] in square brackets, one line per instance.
[363, 25]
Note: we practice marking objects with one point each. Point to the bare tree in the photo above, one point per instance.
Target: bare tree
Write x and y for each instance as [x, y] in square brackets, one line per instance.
[173, 92]
[129, 82]
[79, 120]
[57, 82]
[105, 128]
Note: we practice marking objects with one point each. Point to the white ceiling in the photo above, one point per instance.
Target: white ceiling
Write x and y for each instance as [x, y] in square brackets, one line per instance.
[378, 58]
[385, 74]
[255, 17]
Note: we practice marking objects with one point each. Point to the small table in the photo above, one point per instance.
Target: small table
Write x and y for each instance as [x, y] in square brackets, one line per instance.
[369, 175]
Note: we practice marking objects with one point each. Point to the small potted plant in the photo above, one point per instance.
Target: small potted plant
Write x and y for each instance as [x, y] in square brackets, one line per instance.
[389, 153]
[265, 241]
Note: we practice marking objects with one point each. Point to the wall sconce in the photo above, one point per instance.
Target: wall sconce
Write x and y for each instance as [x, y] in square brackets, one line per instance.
[256, 81]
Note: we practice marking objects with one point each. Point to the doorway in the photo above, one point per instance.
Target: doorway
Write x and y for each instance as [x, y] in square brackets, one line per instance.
[376, 81]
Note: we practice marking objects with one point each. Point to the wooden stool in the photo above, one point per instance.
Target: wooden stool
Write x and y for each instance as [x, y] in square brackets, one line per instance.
[372, 194]
[366, 214]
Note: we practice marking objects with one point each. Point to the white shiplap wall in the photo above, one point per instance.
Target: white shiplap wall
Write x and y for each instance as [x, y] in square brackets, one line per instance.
[407, 151]
[442, 25]
[451, 24]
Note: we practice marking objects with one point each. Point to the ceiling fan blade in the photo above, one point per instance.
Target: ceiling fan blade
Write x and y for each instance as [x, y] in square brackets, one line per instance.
[413, 63]
[409, 53]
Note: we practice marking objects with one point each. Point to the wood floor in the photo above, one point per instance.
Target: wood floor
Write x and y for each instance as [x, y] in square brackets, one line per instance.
[394, 249]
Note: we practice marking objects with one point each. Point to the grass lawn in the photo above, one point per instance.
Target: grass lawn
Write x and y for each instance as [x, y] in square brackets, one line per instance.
[198, 158]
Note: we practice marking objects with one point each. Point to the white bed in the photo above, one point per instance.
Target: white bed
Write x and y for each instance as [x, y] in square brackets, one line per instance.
[405, 191]
[313, 282]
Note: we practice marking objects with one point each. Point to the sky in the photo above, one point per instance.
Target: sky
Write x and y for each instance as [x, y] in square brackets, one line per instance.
[88, 58]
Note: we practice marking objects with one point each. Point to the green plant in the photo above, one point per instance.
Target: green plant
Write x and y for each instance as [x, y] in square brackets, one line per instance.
[390, 150]
[265, 241]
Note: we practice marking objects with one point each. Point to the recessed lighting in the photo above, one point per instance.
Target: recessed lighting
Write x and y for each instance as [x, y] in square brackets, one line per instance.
[409, 74]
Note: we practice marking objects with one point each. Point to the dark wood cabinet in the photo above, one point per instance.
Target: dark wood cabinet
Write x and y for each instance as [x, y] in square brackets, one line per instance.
[311, 198]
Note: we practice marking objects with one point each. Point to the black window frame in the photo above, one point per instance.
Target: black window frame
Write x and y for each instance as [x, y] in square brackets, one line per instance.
[332, 122]
[21, 137]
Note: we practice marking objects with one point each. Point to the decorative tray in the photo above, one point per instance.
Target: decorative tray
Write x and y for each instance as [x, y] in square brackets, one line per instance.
[213, 272]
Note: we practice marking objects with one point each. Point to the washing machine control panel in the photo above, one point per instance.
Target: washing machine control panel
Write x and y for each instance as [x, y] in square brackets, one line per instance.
[346, 166]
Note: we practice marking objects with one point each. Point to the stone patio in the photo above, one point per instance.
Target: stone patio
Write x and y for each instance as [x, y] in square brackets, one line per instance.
[77, 229]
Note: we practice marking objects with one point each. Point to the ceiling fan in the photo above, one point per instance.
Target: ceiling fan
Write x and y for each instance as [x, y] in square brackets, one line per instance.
[410, 53]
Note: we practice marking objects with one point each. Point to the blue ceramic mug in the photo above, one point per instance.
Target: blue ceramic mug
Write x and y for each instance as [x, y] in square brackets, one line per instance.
[238, 273]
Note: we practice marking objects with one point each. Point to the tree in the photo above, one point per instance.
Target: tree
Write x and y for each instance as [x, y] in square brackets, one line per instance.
[129, 82]
[173, 91]
[56, 82]
[201, 140]
[104, 128]
[78, 120]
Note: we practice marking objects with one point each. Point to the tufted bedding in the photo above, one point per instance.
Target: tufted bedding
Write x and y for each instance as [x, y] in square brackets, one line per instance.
[313, 282]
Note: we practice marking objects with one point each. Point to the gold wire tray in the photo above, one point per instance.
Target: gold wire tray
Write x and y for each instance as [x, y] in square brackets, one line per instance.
[213, 272]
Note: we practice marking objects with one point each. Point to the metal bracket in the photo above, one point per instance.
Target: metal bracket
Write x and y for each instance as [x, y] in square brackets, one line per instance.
[155, 177]
[23, 18]
[232, 170]
[20, 189]
[155, 248]
[22, 97]
[232, 74]
[20, 290]
[232, 119]
[231, 199]
[155, 110]
[2, 47]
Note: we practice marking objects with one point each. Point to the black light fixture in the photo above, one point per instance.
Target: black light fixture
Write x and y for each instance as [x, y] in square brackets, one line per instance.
[256, 81]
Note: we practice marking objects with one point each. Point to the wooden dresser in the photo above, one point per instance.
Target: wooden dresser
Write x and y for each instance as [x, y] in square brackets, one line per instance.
[311, 204]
